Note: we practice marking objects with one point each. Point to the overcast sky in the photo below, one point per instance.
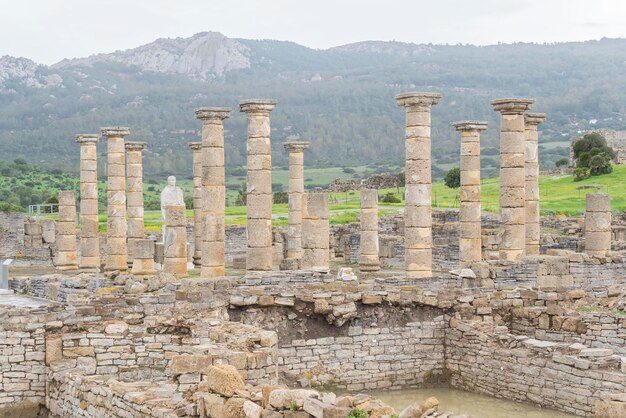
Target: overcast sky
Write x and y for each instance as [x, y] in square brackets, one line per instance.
[50, 30]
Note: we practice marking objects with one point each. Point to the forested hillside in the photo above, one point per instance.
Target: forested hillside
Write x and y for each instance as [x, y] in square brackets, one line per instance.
[341, 99]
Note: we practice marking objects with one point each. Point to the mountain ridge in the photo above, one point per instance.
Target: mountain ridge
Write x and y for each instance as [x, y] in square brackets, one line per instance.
[341, 98]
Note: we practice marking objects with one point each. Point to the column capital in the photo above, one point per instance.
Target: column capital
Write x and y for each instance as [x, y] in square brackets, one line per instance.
[417, 99]
[263, 106]
[195, 146]
[296, 146]
[212, 113]
[115, 131]
[534, 119]
[470, 125]
[87, 138]
[512, 106]
[135, 146]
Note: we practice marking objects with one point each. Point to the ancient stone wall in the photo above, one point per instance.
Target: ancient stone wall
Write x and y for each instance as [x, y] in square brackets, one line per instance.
[490, 360]
[22, 359]
[26, 241]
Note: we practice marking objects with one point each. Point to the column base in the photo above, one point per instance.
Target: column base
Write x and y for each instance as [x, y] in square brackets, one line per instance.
[143, 267]
[207, 272]
[420, 274]
[290, 264]
[369, 267]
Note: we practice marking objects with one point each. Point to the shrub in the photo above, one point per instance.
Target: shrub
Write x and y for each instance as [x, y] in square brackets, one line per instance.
[581, 173]
[358, 413]
[453, 178]
[280, 197]
[390, 198]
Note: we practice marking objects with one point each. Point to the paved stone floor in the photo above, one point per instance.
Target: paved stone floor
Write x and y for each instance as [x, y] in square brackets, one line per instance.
[9, 298]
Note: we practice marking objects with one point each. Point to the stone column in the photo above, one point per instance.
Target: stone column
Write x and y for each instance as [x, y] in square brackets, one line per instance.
[66, 232]
[598, 224]
[368, 260]
[175, 247]
[296, 189]
[512, 180]
[213, 196]
[470, 242]
[116, 257]
[134, 204]
[418, 183]
[531, 154]
[259, 184]
[196, 148]
[89, 226]
[315, 232]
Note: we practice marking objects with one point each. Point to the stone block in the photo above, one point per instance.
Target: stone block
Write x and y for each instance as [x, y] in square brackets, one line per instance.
[284, 398]
[418, 149]
[259, 259]
[315, 206]
[597, 202]
[259, 232]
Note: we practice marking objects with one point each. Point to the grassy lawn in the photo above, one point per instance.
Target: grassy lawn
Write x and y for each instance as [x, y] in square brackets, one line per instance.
[559, 195]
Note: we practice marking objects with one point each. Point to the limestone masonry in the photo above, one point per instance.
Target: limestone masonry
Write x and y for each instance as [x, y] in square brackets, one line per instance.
[200, 319]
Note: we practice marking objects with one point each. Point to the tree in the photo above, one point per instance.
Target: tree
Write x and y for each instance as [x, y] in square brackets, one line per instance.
[242, 195]
[562, 162]
[280, 197]
[453, 178]
[588, 142]
[594, 155]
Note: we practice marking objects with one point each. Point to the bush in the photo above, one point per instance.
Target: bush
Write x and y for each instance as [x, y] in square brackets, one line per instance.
[10, 207]
[562, 162]
[593, 154]
[358, 413]
[348, 170]
[581, 173]
[390, 198]
[280, 197]
[453, 178]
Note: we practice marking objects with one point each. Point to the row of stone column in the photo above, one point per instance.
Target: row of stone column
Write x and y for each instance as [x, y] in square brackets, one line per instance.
[122, 234]
[519, 188]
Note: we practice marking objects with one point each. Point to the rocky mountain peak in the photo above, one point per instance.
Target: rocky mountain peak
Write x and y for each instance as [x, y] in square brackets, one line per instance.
[204, 55]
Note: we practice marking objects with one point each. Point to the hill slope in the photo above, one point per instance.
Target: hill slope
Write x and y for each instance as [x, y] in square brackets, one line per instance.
[342, 98]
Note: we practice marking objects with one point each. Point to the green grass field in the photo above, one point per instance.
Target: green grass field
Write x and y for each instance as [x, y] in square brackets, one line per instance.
[559, 195]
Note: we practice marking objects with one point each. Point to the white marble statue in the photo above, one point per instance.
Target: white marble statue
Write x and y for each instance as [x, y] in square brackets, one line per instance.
[171, 195]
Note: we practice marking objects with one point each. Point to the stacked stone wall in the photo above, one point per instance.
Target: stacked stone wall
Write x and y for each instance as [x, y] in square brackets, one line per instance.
[22, 359]
[493, 362]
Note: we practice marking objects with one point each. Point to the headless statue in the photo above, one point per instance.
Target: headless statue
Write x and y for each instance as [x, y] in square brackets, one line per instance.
[171, 195]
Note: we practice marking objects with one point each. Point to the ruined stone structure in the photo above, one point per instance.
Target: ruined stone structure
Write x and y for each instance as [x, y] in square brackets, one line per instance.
[66, 232]
[315, 231]
[296, 189]
[418, 182]
[512, 177]
[89, 225]
[116, 199]
[196, 149]
[259, 184]
[470, 243]
[213, 190]
[531, 185]
[368, 260]
[598, 224]
[175, 240]
[164, 345]
[134, 177]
